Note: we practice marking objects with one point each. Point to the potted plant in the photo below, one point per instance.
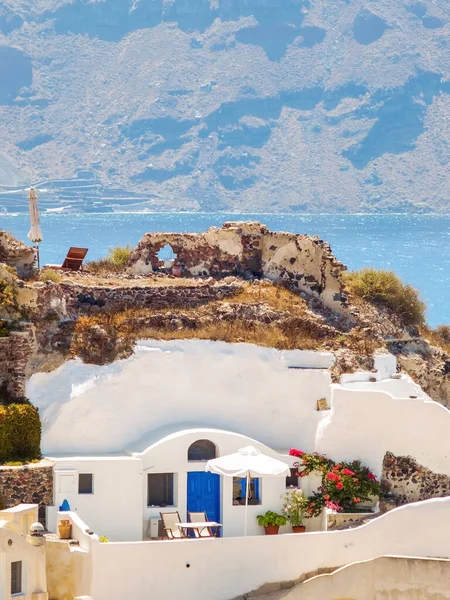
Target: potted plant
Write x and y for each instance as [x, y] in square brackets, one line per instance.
[271, 521]
[295, 506]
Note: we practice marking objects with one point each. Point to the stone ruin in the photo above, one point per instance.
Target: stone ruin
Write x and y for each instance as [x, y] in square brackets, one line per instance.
[16, 254]
[249, 250]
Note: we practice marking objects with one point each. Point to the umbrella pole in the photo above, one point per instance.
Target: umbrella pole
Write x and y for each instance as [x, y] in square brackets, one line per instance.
[37, 256]
[246, 506]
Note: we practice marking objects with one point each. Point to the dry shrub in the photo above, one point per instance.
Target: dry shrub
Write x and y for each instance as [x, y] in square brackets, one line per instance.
[50, 275]
[96, 341]
[116, 261]
[438, 337]
[386, 289]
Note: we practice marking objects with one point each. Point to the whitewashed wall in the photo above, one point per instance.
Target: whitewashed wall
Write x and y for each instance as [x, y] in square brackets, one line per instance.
[114, 509]
[34, 585]
[365, 424]
[220, 569]
[179, 384]
[386, 578]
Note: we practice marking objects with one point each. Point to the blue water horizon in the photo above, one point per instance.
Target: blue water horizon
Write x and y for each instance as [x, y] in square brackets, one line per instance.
[416, 247]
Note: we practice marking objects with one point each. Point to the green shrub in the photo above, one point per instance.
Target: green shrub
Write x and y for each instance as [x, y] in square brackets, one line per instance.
[20, 432]
[385, 288]
[49, 275]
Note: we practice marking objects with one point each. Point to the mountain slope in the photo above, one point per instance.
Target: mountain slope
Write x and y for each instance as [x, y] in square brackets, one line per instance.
[303, 105]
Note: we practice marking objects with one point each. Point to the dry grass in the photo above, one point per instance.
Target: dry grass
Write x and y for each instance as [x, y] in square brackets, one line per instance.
[274, 295]
[238, 331]
[438, 337]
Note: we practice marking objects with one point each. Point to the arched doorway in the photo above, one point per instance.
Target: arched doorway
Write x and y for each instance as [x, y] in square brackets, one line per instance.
[203, 489]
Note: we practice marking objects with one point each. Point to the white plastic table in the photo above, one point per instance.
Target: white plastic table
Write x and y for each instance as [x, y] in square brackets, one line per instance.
[199, 526]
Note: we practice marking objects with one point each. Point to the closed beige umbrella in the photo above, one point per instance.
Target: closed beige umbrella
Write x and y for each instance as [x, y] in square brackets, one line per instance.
[35, 233]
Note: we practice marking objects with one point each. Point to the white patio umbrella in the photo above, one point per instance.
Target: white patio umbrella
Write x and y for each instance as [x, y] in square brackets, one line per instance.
[35, 233]
[247, 462]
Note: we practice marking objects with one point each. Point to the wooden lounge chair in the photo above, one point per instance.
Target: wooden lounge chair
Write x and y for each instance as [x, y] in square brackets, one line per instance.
[201, 517]
[170, 527]
[73, 260]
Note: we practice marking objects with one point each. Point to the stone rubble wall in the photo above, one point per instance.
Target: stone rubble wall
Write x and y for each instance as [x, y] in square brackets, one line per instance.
[250, 250]
[15, 352]
[29, 484]
[62, 301]
[407, 481]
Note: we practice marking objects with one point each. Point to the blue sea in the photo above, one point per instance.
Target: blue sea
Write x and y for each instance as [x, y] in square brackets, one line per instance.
[416, 247]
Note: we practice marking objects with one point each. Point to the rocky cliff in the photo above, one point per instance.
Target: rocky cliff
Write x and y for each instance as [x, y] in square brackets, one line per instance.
[293, 105]
[239, 283]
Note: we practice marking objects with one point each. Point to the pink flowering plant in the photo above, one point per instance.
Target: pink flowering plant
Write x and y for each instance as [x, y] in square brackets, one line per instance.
[308, 463]
[344, 485]
[295, 506]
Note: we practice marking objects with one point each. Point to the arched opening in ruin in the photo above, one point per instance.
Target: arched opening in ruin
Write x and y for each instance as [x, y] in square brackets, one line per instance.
[167, 257]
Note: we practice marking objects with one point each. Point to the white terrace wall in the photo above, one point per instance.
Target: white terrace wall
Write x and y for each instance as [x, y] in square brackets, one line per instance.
[222, 568]
[385, 578]
[182, 384]
[365, 424]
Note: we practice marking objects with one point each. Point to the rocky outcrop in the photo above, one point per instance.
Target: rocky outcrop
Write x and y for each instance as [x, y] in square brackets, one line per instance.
[405, 480]
[428, 365]
[16, 254]
[250, 250]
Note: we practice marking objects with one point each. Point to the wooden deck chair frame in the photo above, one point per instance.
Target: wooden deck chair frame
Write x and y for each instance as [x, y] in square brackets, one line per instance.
[207, 531]
[74, 259]
[168, 530]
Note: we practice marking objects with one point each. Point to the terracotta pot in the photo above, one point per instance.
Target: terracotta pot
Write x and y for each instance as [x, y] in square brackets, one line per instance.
[298, 528]
[272, 529]
[65, 529]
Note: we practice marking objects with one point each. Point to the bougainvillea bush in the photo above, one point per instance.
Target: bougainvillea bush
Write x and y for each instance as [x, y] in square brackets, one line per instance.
[344, 485]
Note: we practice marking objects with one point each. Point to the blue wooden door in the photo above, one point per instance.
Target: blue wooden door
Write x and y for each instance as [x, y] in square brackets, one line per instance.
[203, 493]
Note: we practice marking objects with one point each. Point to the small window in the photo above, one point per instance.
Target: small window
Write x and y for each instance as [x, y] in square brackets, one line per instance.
[85, 483]
[16, 577]
[239, 487]
[292, 479]
[201, 450]
[160, 489]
